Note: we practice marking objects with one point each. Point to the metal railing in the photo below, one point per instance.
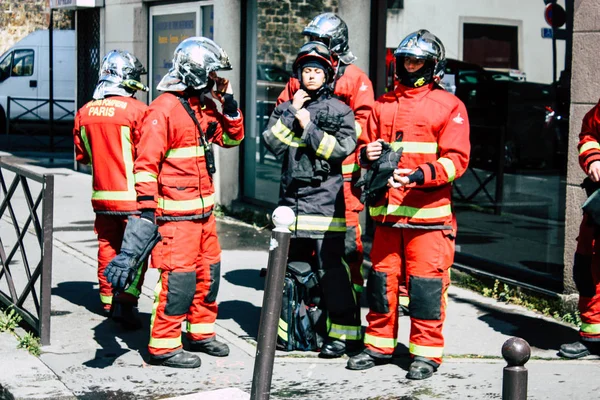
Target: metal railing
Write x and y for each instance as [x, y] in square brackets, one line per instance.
[28, 113]
[34, 111]
[20, 279]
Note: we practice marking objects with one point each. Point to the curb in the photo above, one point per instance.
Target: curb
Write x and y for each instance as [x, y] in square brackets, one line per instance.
[27, 377]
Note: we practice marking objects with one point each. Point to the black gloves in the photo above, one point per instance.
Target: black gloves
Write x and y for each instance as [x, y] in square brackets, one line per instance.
[139, 239]
[230, 106]
[148, 214]
[376, 179]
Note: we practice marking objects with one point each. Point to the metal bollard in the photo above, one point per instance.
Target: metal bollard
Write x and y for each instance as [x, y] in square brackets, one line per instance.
[283, 217]
[516, 352]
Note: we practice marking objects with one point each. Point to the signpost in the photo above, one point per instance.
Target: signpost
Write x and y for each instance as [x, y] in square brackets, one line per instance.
[556, 17]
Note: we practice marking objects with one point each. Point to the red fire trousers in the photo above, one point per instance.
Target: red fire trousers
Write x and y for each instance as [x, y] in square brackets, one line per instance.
[586, 274]
[189, 260]
[422, 258]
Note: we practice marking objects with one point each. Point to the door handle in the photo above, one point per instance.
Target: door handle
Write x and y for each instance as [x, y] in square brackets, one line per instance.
[33, 83]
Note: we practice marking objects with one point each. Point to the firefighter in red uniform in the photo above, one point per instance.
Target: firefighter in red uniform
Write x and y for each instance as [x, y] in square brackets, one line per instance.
[352, 86]
[586, 265]
[174, 183]
[414, 234]
[105, 134]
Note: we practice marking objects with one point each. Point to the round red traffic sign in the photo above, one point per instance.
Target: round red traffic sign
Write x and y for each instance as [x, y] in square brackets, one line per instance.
[555, 15]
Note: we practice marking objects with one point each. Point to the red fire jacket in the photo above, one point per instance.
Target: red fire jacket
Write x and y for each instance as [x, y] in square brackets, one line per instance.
[589, 138]
[432, 127]
[105, 134]
[354, 88]
[170, 169]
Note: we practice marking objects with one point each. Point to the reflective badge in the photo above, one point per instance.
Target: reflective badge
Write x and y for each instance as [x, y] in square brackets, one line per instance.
[420, 82]
[363, 87]
[458, 119]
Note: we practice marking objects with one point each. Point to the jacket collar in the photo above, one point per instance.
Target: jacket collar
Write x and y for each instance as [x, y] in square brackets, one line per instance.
[408, 92]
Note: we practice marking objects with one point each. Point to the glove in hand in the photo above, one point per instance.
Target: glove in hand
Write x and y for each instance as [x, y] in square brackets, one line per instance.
[139, 239]
[121, 271]
[230, 106]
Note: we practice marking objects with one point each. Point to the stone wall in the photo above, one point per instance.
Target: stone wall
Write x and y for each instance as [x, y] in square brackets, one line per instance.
[280, 25]
[18, 18]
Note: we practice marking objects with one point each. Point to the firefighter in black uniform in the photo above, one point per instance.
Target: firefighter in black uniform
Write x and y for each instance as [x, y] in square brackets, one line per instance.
[315, 132]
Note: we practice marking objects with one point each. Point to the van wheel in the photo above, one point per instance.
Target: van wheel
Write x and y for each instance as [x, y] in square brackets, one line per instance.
[2, 121]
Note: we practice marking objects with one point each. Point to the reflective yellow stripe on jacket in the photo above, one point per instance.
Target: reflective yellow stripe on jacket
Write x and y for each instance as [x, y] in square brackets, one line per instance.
[319, 223]
[326, 146]
[186, 205]
[185, 152]
[350, 168]
[588, 146]
[285, 135]
[144, 176]
[448, 167]
[416, 147]
[412, 212]
[228, 141]
[358, 129]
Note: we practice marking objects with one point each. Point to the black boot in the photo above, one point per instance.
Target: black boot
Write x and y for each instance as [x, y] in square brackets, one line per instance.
[420, 370]
[127, 315]
[181, 359]
[364, 360]
[210, 346]
[333, 348]
[575, 350]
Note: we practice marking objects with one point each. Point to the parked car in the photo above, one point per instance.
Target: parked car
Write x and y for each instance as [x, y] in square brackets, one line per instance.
[24, 75]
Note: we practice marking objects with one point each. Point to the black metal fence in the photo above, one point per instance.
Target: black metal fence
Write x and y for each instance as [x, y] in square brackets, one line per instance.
[26, 285]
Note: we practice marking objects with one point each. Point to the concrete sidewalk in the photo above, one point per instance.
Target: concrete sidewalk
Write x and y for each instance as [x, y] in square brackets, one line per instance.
[93, 358]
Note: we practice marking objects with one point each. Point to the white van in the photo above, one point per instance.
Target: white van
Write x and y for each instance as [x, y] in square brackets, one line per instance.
[24, 78]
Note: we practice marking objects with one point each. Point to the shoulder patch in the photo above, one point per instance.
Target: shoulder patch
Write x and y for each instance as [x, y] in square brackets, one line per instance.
[458, 119]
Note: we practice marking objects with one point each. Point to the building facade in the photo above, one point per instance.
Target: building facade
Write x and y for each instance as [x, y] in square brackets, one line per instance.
[518, 206]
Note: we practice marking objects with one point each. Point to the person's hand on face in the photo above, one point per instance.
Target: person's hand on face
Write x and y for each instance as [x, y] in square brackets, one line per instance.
[221, 86]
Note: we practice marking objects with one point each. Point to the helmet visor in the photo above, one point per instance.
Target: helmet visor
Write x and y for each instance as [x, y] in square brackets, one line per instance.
[315, 48]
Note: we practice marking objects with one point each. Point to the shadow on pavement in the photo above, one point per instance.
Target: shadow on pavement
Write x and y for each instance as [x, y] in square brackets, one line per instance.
[108, 331]
[246, 277]
[247, 315]
[538, 332]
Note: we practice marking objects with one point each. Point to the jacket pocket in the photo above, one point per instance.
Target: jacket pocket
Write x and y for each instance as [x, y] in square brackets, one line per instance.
[161, 254]
[179, 187]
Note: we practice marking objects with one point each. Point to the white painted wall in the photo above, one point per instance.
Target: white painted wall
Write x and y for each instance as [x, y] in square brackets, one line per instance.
[228, 35]
[356, 14]
[444, 19]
